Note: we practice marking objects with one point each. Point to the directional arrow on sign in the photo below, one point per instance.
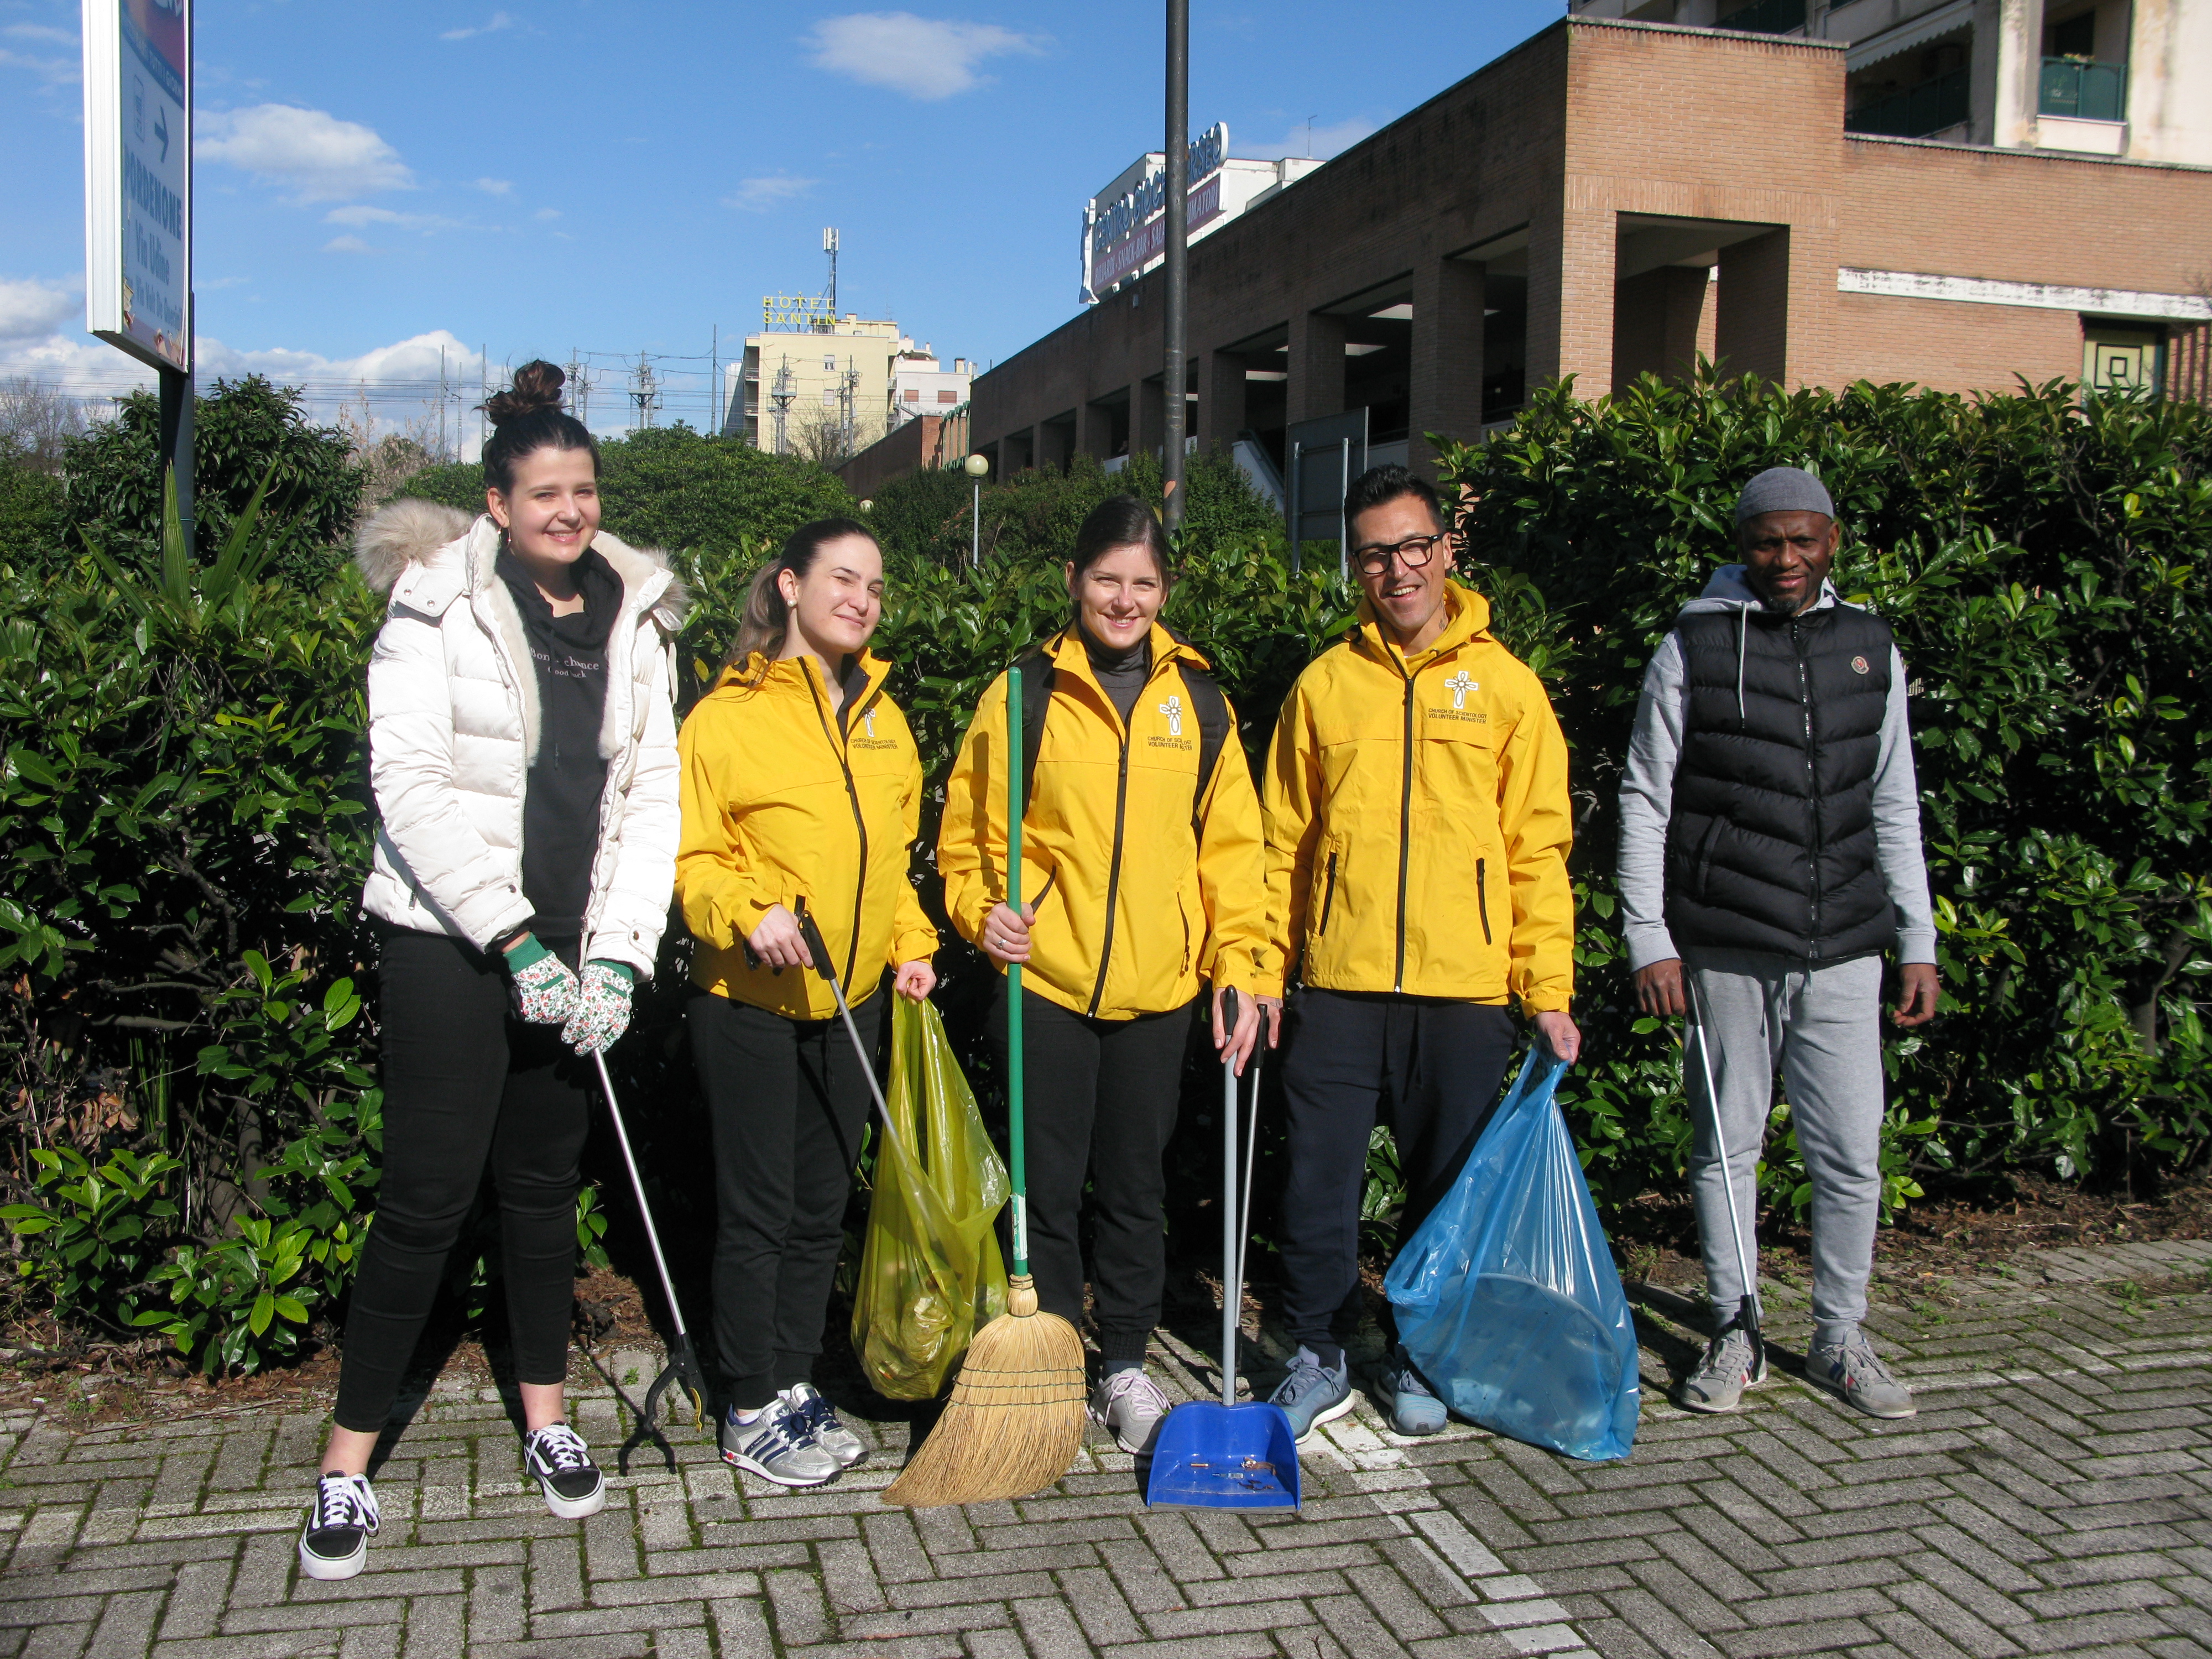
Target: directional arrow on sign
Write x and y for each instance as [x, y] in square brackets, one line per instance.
[161, 131]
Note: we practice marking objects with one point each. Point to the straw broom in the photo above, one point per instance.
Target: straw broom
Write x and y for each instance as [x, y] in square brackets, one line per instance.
[1015, 1419]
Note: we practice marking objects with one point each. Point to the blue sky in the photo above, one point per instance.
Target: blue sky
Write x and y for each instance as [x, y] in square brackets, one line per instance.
[377, 181]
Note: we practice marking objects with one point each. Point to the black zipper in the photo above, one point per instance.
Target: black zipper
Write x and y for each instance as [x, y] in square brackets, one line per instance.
[1812, 788]
[1482, 896]
[1405, 825]
[1112, 874]
[859, 824]
[1327, 896]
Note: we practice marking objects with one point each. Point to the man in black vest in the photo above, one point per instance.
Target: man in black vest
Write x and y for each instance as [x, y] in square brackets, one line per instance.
[1770, 852]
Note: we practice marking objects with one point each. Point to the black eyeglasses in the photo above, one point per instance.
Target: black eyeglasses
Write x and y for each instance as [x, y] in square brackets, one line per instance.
[1414, 552]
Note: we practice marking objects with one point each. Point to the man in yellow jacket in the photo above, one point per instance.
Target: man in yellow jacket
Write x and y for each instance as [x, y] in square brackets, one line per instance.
[1417, 828]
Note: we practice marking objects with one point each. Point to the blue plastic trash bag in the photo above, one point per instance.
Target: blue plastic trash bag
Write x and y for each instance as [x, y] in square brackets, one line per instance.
[1507, 1297]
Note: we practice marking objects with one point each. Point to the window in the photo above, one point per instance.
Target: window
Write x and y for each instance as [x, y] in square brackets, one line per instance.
[829, 362]
[948, 395]
[2118, 359]
[912, 394]
[829, 397]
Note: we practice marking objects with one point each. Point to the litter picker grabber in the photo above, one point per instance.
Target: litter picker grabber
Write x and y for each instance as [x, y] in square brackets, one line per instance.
[1227, 1457]
[825, 967]
[682, 1370]
[1747, 1313]
[1015, 1418]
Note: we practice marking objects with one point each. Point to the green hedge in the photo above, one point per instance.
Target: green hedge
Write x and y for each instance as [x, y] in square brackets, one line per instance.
[189, 1125]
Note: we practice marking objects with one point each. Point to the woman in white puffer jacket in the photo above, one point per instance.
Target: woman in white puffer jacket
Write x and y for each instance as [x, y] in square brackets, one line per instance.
[522, 752]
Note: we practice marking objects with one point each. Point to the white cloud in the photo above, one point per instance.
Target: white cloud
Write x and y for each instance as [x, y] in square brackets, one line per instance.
[1321, 142]
[759, 194]
[40, 31]
[360, 216]
[498, 20]
[495, 186]
[310, 152]
[547, 213]
[54, 71]
[925, 57]
[29, 308]
[348, 244]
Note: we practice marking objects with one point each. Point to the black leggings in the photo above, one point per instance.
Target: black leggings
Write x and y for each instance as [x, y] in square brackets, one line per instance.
[789, 1100]
[465, 1082]
[1099, 1099]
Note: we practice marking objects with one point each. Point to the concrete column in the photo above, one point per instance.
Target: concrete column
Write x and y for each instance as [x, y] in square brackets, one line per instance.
[1446, 392]
[1055, 441]
[1221, 401]
[1316, 366]
[1753, 326]
[1094, 431]
[2016, 72]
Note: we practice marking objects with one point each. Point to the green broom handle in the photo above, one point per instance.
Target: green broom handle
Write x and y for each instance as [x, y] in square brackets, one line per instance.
[1017, 1161]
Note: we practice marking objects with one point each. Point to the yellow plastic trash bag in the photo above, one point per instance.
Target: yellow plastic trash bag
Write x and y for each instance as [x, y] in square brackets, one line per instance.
[931, 1270]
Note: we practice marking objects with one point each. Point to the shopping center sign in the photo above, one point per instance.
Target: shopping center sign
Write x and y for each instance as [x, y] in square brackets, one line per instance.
[138, 178]
[1122, 236]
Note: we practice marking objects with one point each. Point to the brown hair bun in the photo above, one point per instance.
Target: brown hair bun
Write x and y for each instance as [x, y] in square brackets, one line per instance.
[536, 386]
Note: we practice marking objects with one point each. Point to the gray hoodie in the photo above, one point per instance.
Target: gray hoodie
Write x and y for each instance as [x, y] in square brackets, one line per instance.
[1647, 792]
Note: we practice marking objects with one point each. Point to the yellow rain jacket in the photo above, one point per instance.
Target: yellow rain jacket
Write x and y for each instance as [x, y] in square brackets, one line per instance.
[1417, 822]
[1133, 907]
[787, 799]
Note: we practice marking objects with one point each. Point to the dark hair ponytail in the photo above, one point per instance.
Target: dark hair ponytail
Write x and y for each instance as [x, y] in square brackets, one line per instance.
[765, 622]
[1122, 521]
[527, 417]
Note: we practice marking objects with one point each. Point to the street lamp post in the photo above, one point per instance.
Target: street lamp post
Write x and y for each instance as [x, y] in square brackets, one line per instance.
[1178, 291]
[976, 467]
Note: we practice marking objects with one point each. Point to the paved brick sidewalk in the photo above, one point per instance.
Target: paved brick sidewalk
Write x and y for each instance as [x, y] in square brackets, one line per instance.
[2054, 1495]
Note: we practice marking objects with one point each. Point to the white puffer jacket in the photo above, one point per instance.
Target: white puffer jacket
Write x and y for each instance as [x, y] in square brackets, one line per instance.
[453, 725]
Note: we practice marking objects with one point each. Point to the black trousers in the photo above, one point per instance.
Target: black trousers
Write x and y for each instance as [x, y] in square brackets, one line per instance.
[1435, 1065]
[464, 1084]
[789, 1100]
[1098, 1099]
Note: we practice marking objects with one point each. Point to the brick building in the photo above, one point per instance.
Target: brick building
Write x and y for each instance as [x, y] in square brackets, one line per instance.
[1612, 196]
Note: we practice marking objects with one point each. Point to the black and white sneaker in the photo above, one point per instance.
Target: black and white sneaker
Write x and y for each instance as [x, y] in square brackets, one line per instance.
[776, 1446]
[820, 1420]
[562, 1465]
[335, 1542]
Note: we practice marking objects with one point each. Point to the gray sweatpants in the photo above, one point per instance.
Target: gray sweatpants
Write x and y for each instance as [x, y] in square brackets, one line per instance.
[1822, 1026]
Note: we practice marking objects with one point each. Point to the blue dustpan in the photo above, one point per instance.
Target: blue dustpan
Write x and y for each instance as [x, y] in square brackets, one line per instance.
[1227, 1457]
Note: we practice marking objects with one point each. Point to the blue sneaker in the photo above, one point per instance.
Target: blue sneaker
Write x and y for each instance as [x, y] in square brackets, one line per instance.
[1313, 1393]
[1413, 1409]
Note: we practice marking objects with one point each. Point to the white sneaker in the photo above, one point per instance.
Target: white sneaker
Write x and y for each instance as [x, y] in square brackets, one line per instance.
[820, 1419]
[1129, 1405]
[558, 1458]
[334, 1543]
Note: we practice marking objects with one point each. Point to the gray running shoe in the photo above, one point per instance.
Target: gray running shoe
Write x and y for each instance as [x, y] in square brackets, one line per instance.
[1313, 1393]
[1129, 1405]
[334, 1543]
[820, 1419]
[1727, 1368]
[776, 1446]
[1851, 1369]
[1412, 1406]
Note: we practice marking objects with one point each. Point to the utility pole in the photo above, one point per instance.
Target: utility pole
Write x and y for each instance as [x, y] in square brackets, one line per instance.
[780, 394]
[717, 413]
[579, 390]
[444, 396]
[644, 392]
[1178, 249]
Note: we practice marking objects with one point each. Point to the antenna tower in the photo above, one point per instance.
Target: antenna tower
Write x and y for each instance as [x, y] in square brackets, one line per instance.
[830, 248]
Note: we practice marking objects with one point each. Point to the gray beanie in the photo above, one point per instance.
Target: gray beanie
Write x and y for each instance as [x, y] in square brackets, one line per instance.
[1783, 490]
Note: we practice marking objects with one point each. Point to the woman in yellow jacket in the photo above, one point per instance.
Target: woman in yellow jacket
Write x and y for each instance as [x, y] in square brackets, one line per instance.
[1142, 873]
[802, 790]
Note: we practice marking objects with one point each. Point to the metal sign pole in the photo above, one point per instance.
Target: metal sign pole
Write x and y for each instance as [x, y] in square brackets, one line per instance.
[179, 392]
[1294, 503]
[1178, 263]
[1343, 519]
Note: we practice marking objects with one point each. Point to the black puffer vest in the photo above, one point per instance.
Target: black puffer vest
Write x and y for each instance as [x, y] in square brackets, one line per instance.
[1771, 844]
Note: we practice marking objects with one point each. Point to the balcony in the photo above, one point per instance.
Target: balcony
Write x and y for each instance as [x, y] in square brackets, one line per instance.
[2082, 91]
[1765, 17]
[1915, 112]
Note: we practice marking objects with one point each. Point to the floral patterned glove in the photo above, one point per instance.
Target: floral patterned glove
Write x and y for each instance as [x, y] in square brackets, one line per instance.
[602, 1011]
[544, 991]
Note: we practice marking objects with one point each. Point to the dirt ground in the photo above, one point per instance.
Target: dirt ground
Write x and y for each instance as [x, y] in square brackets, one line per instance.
[81, 1384]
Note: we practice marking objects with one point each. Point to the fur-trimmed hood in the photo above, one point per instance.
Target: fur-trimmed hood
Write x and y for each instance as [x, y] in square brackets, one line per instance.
[408, 532]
